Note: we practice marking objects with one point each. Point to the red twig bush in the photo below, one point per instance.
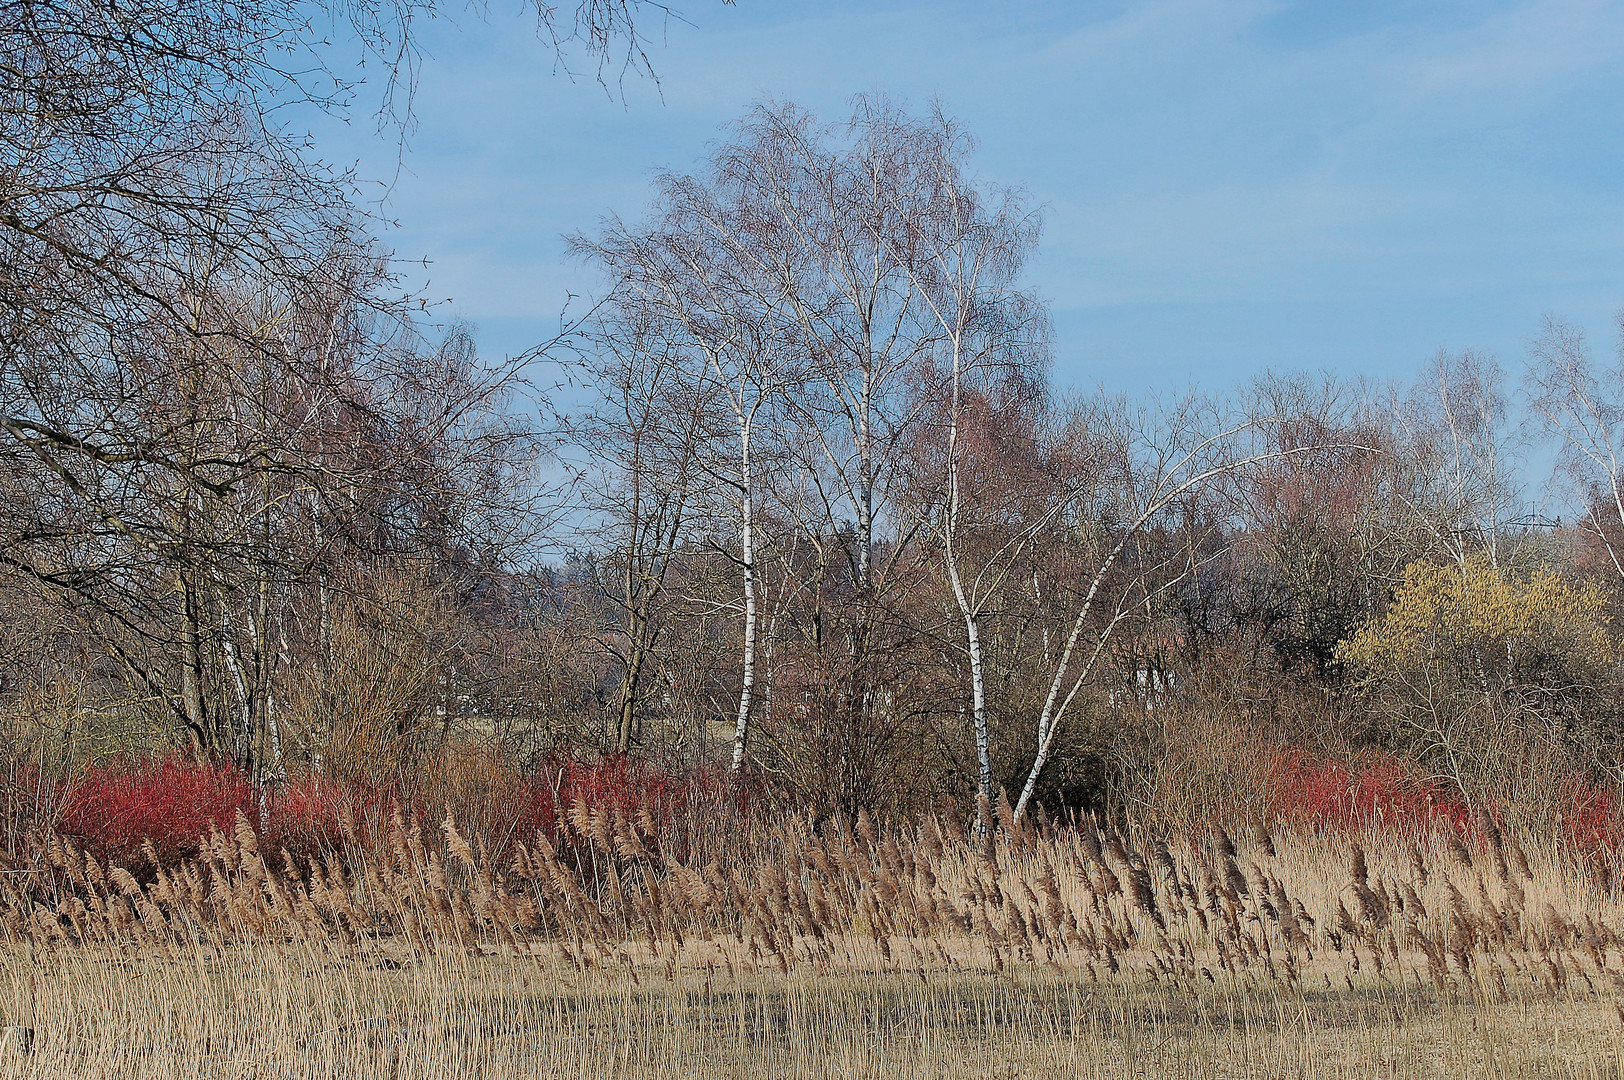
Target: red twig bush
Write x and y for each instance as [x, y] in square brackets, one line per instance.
[116, 810]
[1590, 821]
[1376, 792]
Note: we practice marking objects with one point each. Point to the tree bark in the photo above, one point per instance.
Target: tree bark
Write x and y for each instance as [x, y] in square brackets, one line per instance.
[747, 546]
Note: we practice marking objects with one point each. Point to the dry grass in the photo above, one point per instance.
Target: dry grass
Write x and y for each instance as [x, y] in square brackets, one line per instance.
[834, 951]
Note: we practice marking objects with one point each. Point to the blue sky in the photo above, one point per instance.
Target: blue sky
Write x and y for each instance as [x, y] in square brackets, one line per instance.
[1228, 187]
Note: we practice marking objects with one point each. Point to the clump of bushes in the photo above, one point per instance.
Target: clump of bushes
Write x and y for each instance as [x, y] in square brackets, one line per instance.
[126, 812]
[1379, 793]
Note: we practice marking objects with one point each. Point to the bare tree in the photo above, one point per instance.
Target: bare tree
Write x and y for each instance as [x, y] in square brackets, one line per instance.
[827, 209]
[966, 249]
[689, 279]
[1582, 405]
[1457, 445]
[1153, 463]
[203, 363]
[645, 437]
[828, 213]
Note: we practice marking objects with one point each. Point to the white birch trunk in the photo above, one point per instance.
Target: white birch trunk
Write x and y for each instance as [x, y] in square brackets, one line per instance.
[239, 681]
[969, 610]
[747, 545]
[1166, 490]
[978, 685]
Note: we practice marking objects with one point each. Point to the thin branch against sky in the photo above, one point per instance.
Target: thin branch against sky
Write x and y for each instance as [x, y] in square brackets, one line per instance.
[1228, 187]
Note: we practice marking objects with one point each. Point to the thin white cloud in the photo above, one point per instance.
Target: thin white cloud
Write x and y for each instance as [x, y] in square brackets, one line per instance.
[1191, 152]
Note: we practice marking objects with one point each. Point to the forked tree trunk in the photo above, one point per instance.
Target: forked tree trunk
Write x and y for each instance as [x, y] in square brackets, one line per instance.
[636, 659]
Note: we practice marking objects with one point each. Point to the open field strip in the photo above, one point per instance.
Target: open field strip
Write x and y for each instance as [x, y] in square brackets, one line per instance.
[261, 1012]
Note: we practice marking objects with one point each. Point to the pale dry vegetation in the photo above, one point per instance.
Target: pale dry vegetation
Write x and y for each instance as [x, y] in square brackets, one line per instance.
[276, 549]
[821, 948]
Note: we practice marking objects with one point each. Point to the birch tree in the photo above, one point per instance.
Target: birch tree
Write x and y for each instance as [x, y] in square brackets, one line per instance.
[1153, 462]
[968, 247]
[827, 248]
[1458, 444]
[1581, 403]
[829, 209]
[690, 273]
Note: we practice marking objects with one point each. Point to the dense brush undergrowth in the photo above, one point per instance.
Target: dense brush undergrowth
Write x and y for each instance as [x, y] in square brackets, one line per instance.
[613, 887]
[146, 813]
[614, 866]
[142, 814]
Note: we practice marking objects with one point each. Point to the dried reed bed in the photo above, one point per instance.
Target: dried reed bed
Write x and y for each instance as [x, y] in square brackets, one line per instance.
[833, 948]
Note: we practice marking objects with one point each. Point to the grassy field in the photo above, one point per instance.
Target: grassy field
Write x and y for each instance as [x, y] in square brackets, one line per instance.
[828, 951]
[261, 1013]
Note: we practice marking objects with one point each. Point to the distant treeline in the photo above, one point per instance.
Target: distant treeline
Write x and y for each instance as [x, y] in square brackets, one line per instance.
[832, 528]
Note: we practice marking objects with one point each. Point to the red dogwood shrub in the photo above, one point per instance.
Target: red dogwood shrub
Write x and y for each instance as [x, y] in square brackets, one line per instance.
[114, 809]
[1376, 792]
[301, 818]
[1590, 821]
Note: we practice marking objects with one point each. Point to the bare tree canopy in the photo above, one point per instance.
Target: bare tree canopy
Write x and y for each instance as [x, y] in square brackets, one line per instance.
[838, 539]
[209, 385]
